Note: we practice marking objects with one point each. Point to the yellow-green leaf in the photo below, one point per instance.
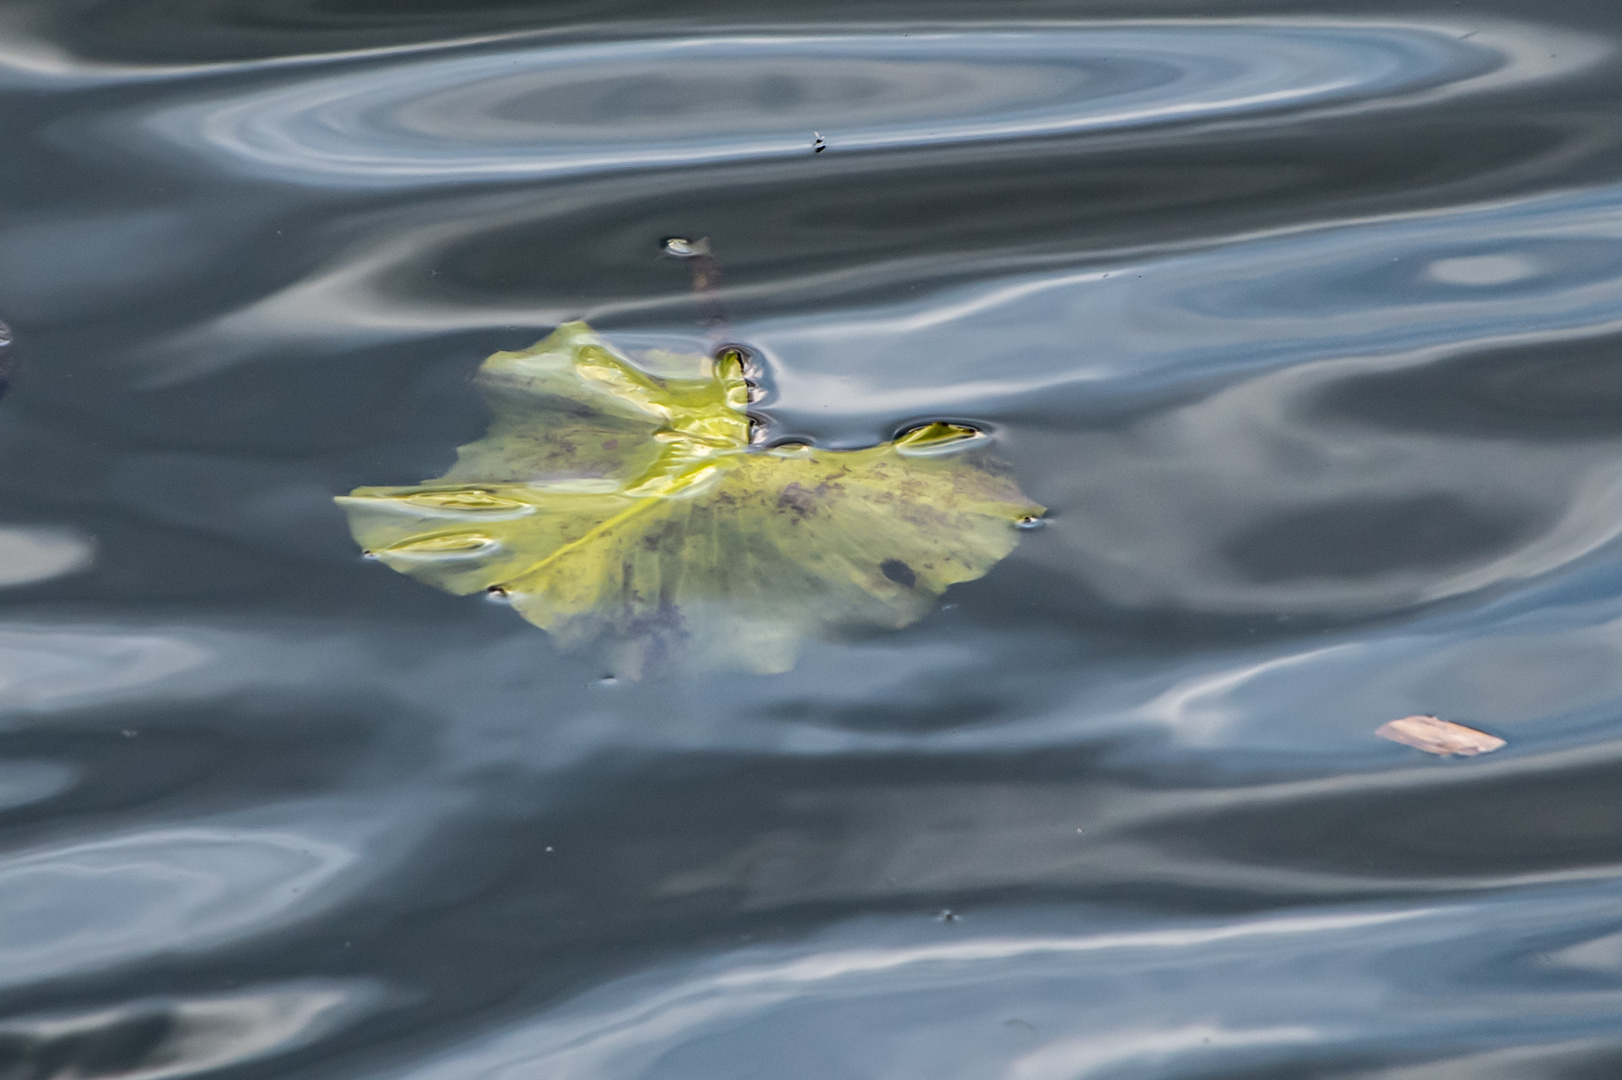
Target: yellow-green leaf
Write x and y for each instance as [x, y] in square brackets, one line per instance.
[624, 507]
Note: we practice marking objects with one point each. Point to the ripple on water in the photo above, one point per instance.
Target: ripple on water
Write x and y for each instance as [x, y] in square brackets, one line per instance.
[101, 902]
[557, 110]
[49, 667]
[162, 1038]
[1036, 997]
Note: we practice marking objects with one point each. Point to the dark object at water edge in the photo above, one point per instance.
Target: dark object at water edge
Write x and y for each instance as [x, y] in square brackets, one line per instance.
[8, 359]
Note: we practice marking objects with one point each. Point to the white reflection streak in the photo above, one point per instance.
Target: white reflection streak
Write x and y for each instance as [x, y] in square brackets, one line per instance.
[606, 1043]
[837, 965]
[1515, 1062]
[52, 668]
[31, 553]
[1482, 269]
[1593, 519]
[1196, 709]
[808, 389]
[29, 57]
[1074, 1058]
[930, 318]
[220, 1031]
[207, 1032]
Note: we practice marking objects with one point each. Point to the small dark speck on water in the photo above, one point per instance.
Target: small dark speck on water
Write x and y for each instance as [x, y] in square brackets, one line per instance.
[1029, 522]
[818, 145]
[947, 915]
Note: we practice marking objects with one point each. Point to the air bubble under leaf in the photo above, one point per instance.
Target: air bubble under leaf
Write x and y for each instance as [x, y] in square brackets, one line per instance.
[625, 507]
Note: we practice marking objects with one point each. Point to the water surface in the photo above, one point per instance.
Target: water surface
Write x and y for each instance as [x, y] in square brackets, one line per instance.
[1304, 325]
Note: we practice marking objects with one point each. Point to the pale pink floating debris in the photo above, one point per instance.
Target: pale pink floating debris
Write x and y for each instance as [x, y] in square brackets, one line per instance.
[1435, 736]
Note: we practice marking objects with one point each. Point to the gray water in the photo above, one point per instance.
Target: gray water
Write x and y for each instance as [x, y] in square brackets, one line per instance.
[1303, 322]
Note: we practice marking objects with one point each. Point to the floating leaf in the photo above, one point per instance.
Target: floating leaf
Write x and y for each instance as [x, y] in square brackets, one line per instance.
[625, 505]
[1442, 737]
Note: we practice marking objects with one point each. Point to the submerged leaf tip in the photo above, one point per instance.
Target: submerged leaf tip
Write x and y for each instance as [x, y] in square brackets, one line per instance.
[938, 437]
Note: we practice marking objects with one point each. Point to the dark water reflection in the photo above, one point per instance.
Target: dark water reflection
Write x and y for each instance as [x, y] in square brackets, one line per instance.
[1306, 329]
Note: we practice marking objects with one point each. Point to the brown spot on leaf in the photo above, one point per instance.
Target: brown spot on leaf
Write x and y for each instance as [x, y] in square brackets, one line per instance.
[899, 572]
[796, 499]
